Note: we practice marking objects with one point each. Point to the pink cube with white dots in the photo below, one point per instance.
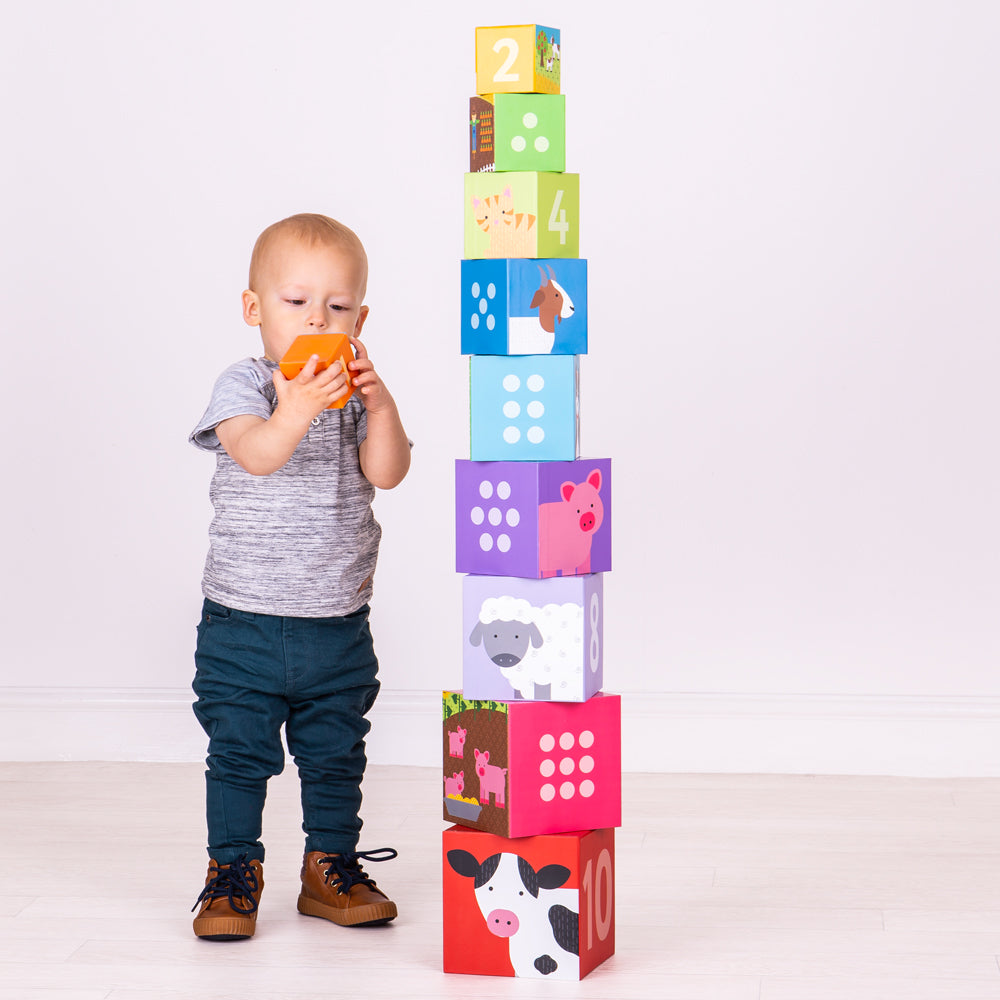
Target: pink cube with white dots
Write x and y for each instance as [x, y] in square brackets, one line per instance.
[521, 768]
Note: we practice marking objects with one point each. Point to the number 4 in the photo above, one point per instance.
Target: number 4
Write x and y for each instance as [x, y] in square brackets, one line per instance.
[558, 223]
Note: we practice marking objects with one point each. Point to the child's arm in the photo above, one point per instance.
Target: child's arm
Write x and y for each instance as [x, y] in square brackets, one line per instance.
[263, 446]
[385, 452]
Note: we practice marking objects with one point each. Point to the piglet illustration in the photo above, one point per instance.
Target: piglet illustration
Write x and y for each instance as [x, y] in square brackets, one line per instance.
[566, 527]
[456, 742]
[491, 779]
[455, 785]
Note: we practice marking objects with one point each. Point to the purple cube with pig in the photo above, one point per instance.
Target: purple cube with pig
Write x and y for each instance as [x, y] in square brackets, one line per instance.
[536, 640]
[533, 519]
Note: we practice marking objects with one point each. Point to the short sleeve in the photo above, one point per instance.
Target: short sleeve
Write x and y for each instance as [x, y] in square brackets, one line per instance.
[243, 388]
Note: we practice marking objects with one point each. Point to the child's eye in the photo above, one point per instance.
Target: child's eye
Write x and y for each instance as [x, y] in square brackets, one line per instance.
[297, 302]
[337, 308]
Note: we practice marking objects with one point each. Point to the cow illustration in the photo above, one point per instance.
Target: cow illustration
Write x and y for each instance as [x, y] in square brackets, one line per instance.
[539, 919]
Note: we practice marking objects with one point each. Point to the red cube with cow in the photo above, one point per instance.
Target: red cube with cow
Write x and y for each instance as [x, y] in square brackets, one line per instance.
[534, 907]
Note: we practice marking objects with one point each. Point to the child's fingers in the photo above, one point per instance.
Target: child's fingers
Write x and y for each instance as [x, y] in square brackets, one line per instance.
[360, 366]
[308, 369]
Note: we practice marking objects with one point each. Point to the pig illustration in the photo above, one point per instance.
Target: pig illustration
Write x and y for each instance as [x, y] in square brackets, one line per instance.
[566, 527]
[456, 742]
[491, 779]
[455, 785]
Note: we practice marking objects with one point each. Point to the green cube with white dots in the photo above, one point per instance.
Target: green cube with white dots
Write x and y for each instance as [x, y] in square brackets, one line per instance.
[517, 132]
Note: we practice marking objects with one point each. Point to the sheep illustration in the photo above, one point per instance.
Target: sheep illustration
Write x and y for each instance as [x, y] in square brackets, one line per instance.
[537, 334]
[536, 649]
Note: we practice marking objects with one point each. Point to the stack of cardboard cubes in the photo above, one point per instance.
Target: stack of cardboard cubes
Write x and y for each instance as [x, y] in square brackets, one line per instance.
[531, 746]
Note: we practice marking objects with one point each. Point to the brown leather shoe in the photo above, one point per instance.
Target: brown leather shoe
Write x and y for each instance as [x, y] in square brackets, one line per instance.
[229, 901]
[335, 887]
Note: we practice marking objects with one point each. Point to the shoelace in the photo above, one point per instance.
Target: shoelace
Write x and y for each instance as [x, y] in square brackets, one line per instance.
[238, 879]
[344, 871]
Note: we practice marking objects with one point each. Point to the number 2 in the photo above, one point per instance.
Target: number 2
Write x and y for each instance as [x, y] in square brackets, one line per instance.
[502, 75]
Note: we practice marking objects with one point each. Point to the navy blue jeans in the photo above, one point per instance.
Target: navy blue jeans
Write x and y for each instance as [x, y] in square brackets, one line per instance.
[317, 677]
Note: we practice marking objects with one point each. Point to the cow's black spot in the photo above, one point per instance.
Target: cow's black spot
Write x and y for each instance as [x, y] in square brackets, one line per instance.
[487, 870]
[546, 964]
[565, 928]
[465, 864]
[529, 879]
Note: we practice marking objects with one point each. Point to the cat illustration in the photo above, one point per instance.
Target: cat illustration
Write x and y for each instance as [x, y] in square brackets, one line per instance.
[512, 234]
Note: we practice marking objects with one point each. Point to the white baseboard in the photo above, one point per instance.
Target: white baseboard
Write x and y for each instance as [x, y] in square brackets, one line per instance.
[681, 733]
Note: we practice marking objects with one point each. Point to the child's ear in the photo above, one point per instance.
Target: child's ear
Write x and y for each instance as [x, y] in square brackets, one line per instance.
[362, 316]
[251, 308]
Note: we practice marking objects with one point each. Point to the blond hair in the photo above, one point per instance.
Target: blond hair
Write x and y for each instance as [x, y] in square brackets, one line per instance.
[310, 229]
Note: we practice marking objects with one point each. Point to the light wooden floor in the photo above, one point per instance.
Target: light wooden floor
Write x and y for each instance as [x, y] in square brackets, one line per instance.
[729, 888]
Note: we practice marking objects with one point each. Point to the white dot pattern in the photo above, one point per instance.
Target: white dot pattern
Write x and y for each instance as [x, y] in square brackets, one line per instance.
[482, 306]
[534, 408]
[495, 507]
[519, 143]
[569, 765]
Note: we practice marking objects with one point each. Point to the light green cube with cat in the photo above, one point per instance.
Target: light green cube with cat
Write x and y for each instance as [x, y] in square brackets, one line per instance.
[523, 213]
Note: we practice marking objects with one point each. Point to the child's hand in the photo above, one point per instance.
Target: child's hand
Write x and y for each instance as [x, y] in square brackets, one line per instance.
[310, 392]
[366, 380]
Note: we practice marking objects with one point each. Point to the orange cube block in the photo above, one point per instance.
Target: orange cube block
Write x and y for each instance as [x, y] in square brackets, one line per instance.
[330, 347]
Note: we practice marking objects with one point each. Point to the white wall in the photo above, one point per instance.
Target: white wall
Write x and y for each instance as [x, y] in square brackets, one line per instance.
[792, 218]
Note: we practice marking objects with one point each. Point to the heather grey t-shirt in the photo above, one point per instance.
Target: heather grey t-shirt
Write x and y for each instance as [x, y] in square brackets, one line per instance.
[302, 541]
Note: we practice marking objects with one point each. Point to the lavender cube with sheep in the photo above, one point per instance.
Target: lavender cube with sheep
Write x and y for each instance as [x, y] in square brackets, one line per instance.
[536, 640]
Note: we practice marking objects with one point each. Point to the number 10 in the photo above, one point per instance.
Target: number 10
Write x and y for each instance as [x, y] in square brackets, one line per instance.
[601, 895]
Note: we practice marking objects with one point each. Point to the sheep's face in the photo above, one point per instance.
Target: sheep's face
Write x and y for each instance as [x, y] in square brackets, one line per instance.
[506, 642]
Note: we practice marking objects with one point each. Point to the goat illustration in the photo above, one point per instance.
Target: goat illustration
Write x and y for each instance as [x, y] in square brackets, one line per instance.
[537, 335]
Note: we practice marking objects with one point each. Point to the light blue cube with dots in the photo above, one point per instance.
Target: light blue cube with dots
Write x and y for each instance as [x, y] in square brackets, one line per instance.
[524, 408]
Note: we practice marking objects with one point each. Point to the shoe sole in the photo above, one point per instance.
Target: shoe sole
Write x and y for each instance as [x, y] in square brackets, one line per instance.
[363, 916]
[224, 929]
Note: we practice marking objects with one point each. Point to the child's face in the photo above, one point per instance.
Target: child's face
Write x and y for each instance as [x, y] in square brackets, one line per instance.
[305, 289]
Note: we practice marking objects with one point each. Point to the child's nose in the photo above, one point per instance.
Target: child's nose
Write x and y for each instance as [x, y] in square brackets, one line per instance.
[317, 319]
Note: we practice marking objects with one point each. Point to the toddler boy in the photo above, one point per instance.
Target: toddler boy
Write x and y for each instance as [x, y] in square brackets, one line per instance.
[284, 638]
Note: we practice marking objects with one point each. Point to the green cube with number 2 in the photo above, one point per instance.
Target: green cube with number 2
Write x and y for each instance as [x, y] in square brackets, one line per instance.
[523, 213]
